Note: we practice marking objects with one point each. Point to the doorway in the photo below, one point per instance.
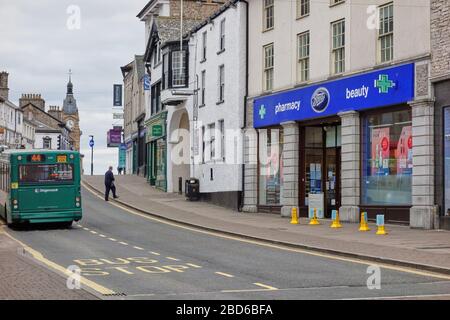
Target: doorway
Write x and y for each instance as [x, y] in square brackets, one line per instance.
[320, 167]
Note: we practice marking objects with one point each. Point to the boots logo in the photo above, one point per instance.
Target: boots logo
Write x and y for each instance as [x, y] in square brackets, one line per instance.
[320, 100]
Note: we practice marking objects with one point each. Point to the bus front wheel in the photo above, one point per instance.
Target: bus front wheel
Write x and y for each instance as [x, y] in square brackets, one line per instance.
[67, 224]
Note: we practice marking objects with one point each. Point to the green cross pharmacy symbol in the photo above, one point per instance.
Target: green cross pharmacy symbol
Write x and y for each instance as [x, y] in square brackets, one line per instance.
[262, 112]
[384, 84]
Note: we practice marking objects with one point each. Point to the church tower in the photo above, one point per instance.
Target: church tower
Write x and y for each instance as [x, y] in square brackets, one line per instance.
[70, 115]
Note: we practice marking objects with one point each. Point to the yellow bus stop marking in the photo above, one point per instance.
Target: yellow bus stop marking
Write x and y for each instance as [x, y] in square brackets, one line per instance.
[310, 252]
[173, 259]
[224, 274]
[40, 257]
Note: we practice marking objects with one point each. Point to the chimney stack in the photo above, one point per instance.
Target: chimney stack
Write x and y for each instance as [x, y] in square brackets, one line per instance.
[4, 90]
[56, 112]
[35, 99]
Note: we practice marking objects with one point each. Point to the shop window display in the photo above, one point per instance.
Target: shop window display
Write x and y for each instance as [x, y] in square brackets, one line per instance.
[387, 159]
[270, 166]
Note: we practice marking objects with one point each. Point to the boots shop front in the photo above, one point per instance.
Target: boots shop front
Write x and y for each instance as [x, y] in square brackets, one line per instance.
[339, 145]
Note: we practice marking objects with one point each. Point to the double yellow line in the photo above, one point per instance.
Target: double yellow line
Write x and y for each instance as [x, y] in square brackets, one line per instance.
[60, 269]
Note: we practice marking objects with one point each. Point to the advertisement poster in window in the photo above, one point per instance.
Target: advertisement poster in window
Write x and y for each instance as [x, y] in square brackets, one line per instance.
[403, 153]
[380, 151]
[447, 160]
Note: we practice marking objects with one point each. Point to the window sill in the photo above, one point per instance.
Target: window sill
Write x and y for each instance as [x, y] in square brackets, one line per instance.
[202, 106]
[220, 102]
[220, 51]
[203, 60]
[303, 16]
[157, 65]
[267, 30]
[336, 4]
[336, 76]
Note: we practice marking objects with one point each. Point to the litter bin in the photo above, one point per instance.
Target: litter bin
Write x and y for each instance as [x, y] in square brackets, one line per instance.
[192, 189]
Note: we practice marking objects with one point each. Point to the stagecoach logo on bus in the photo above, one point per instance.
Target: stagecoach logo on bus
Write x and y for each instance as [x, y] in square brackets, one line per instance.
[45, 190]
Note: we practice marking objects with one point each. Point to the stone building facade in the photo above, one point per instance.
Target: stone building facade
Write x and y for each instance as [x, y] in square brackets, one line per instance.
[50, 130]
[337, 129]
[440, 80]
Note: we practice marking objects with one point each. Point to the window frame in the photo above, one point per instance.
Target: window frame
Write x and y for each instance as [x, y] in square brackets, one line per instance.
[303, 8]
[338, 50]
[182, 70]
[221, 84]
[385, 35]
[303, 74]
[268, 69]
[204, 46]
[268, 7]
[203, 88]
[222, 36]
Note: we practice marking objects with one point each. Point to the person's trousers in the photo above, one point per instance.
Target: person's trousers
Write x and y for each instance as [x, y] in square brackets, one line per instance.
[108, 189]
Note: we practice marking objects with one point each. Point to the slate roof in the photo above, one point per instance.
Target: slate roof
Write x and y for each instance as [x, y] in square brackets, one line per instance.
[169, 28]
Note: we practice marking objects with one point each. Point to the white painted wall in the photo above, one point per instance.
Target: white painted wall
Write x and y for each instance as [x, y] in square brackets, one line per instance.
[39, 140]
[11, 120]
[411, 38]
[228, 175]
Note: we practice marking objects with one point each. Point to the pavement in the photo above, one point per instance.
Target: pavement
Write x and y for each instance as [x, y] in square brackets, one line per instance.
[22, 278]
[421, 249]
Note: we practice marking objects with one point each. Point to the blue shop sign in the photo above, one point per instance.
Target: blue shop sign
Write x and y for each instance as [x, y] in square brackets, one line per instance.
[370, 90]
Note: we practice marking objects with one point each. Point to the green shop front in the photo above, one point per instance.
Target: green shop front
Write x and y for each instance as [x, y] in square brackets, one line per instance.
[156, 148]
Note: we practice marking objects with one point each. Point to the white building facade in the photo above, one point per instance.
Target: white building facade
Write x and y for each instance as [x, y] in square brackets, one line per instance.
[11, 125]
[217, 62]
[341, 103]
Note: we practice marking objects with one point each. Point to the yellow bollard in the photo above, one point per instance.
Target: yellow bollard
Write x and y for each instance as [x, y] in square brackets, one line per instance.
[380, 224]
[314, 221]
[364, 226]
[336, 222]
[294, 216]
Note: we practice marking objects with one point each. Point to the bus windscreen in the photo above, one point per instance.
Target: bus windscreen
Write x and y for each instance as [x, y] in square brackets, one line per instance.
[46, 173]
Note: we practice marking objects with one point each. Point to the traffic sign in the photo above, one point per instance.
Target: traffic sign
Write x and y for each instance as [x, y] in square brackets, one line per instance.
[91, 143]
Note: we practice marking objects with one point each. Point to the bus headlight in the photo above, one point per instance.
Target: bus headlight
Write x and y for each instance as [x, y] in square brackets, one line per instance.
[19, 158]
[77, 199]
[16, 207]
[15, 202]
[77, 204]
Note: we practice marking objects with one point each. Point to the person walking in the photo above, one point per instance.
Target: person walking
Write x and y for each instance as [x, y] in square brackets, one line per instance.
[109, 184]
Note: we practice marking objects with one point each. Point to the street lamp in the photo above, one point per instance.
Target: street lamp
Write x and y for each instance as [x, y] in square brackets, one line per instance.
[91, 144]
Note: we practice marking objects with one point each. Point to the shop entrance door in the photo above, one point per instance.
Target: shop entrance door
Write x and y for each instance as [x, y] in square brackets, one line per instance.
[321, 167]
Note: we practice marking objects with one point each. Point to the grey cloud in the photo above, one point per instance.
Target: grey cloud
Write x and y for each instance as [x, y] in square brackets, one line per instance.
[37, 49]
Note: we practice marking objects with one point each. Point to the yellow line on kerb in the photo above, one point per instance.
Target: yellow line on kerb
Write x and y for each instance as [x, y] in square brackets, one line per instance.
[275, 246]
[40, 257]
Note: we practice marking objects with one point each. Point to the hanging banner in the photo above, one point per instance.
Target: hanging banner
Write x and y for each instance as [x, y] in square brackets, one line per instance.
[146, 82]
[117, 101]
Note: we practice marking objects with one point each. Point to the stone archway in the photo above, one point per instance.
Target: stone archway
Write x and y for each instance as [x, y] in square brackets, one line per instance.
[179, 146]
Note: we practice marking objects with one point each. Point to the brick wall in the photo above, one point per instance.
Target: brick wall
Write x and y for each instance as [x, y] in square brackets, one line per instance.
[440, 37]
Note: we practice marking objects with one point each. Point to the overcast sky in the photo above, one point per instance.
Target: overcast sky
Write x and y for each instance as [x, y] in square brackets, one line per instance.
[41, 40]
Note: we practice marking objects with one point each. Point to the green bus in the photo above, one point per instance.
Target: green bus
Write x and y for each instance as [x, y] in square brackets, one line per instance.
[40, 186]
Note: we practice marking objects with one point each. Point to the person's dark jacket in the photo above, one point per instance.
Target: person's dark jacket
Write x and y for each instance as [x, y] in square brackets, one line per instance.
[109, 178]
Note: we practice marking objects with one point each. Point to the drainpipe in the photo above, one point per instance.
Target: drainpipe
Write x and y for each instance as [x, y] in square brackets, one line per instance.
[241, 205]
